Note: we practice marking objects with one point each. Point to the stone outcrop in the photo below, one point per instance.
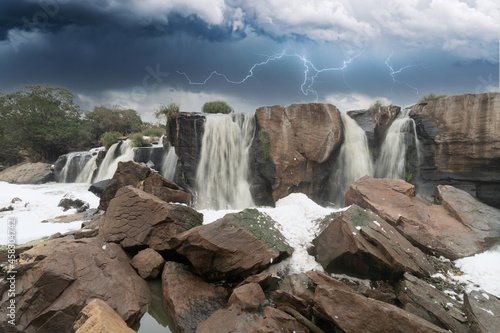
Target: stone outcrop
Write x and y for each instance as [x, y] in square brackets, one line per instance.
[137, 220]
[188, 298]
[57, 280]
[337, 303]
[152, 155]
[140, 176]
[297, 139]
[359, 243]
[27, 173]
[461, 143]
[482, 310]
[233, 247]
[99, 317]
[430, 227]
[148, 263]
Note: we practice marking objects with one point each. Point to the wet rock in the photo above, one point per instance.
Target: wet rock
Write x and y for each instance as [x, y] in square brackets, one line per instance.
[137, 219]
[56, 280]
[483, 311]
[188, 298]
[99, 317]
[148, 263]
[248, 297]
[263, 279]
[98, 188]
[69, 203]
[233, 247]
[27, 173]
[361, 244]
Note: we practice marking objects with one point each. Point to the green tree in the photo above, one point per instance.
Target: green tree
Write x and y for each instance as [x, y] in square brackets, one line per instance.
[110, 138]
[138, 140]
[217, 107]
[113, 119]
[166, 112]
[430, 97]
[41, 122]
[377, 105]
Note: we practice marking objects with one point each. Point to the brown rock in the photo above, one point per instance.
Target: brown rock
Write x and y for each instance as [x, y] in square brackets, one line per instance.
[482, 310]
[138, 175]
[337, 303]
[263, 279]
[361, 244]
[383, 118]
[27, 173]
[52, 291]
[281, 297]
[430, 227]
[248, 297]
[299, 285]
[427, 302]
[295, 148]
[137, 219]
[99, 317]
[188, 298]
[4, 254]
[148, 263]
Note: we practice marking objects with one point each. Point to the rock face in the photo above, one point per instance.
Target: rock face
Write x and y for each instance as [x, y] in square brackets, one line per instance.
[234, 247]
[296, 139]
[138, 175]
[483, 311]
[65, 276]
[27, 173]
[137, 219]
[99, 317]
[461, 143]
[188, 298]
[359, 243]
[432, 228]
[148, 263]
[337, 303]
[152, 154]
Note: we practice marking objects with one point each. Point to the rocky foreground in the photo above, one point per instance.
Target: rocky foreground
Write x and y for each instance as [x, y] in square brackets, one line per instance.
[215, 277]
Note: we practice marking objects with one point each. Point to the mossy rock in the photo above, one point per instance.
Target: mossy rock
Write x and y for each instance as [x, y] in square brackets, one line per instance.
[264, 228]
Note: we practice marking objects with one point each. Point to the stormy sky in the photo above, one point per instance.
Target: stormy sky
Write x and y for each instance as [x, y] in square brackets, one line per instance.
[140, 53]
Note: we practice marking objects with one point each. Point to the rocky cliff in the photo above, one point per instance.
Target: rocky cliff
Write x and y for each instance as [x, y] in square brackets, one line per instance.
[460, 142]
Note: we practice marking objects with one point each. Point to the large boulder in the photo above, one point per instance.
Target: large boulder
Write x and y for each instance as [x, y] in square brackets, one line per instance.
[460, 142]
[338, 304]
[188, 298]
[430, 227]
[233, 247]
[359, 243]
[28, 173]
[482, 310]
[140, 176]
[296, 139]
[60, 279]
[148, 263]
[99, 317]
[137, 220]
[426, 301]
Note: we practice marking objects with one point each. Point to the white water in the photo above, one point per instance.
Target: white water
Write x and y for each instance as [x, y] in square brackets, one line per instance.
[354, 159]
[78, 161]
[169, 163]
[400, 135]
[110, 163]
[222, 174]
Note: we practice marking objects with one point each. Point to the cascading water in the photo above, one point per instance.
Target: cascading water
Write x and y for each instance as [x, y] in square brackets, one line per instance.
[222, 175]
[354, 160]
[169, 163]
[393, 156]
[119, 152]
[75, 163]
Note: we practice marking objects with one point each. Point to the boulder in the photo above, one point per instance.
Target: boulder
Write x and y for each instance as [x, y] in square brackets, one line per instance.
[338, 304]
[140, 176]
[98, 188]
[58, 279]
[28, 173]
[460, 141]
[248, 297]
[188, 298]
[297, 139]
[233, 247]
[148, 263]
[263, 279]
[483, 311]
[425, 301]
[432, 228]
[78, 204]
[360, 243]
[99, 317]
[137, 219]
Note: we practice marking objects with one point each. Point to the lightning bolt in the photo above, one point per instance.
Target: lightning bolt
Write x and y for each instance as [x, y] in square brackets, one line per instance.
[310, 72]
[393, 72]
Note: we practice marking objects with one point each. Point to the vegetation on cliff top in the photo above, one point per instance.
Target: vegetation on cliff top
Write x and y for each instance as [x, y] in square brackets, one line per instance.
[216, 107]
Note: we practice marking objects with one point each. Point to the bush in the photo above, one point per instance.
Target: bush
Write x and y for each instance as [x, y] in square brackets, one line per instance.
[377, 105]
[110, 138]
[431, 97]
[138, 140]
[153, 132]
[216, 107]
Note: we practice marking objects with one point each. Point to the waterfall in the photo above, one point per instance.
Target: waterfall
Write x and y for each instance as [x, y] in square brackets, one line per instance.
[354, 160]
[222, 174]
[392, 159]
[119, 152]
[75, 163]
[169, 163]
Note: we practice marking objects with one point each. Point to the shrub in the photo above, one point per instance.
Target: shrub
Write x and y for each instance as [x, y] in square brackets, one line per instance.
[110, 138]
[138, 140]
[153, 132]
[430, 97]
[216, 107]
[375, 106]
